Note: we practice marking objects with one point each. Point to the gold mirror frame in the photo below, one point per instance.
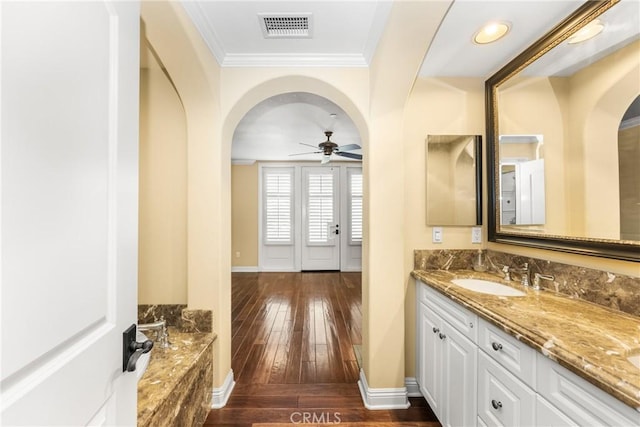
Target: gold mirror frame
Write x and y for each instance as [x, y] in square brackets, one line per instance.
[615, 249]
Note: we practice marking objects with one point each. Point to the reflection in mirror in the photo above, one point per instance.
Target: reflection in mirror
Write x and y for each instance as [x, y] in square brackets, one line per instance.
[582, 97]
[629, 160]
[522, 183]
[453, 183]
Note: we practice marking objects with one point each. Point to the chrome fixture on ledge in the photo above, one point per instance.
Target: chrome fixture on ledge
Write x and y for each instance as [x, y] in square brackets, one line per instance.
[160, 328]
[537, 277]
[524, 273]
[507, 273]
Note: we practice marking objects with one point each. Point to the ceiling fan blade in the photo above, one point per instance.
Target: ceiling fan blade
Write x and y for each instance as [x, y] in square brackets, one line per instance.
[302, 154]
[325, 159]
[349, 147]
[309, 145]
[349, 155]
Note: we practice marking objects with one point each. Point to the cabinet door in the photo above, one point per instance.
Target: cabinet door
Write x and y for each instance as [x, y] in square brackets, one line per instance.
[430, 357]
[459, 379]
[503, 400]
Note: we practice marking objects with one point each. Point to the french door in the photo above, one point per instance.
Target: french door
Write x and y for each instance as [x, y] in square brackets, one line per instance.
[311, 218]
[320, 218]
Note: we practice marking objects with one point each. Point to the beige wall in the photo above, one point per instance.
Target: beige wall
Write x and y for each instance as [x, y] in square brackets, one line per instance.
[445, 106]
[196, 77]
[162, 257]
[244, 215]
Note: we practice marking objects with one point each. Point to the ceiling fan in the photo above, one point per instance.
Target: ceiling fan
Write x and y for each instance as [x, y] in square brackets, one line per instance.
[328, 147]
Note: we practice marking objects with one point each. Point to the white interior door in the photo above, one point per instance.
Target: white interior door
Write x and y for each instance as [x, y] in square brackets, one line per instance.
[530, 192]
[320, 215]
[69, 167]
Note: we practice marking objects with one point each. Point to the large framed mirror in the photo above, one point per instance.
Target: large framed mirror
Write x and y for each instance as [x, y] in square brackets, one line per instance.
[563, 137]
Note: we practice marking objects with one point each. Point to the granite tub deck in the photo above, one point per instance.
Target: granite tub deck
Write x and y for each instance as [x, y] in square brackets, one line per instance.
[176, 387]
[592, 341]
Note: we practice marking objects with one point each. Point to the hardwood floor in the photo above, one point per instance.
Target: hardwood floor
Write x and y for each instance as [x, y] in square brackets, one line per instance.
[293, 358]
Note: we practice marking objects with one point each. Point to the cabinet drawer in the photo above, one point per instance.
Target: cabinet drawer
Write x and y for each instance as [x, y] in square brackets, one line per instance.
[503, 400]
[517, 357]
[460, 318]
[548, 415]
[581, 401]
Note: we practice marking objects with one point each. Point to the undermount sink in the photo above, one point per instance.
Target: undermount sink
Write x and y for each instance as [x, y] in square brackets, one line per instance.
[488, 287]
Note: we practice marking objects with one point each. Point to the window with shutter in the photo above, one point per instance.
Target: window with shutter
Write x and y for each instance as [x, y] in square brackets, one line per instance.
[319, 207]
[278, 206]
[355, 207]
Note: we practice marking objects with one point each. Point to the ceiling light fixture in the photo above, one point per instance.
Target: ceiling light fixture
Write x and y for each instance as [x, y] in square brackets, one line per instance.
[590, 30]
[491, 32]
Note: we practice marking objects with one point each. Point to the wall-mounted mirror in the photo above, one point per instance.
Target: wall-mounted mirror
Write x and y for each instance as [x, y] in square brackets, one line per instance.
[563, 137]
[454, 174]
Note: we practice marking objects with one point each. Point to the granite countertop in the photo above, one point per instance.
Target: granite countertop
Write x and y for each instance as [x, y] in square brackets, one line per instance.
[167, 366]
[590, 340]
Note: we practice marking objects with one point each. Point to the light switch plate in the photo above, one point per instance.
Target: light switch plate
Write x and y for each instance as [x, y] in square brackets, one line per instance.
[437, 234]
[476, 235]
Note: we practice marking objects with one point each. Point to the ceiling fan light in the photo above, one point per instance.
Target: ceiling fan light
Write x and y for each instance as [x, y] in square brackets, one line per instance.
[491, 32]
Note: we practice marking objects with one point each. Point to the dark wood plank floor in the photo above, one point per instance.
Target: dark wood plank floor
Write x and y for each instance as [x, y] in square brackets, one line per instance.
[293, 354]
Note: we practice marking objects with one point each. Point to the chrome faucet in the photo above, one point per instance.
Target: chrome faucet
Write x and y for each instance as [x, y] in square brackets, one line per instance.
[507, 273]
[524, 274]
[537, 277]
[160, 328]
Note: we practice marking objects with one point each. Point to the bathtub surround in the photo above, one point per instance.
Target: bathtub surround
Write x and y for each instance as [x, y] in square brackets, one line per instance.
[178, 315]
[613, 291]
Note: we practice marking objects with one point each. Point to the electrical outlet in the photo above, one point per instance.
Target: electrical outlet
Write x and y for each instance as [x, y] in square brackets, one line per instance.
[476, 235]
[237, 254]
[437, 234]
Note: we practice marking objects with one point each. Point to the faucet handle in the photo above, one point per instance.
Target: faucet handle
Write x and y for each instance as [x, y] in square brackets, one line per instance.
[506, 271]
[537, 277]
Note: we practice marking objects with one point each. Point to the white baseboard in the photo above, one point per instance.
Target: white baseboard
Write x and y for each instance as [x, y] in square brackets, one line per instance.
[413, 389]
[220, 395]
[382, 398]
[244, 269]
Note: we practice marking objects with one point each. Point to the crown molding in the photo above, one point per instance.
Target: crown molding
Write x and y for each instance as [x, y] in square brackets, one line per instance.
[209, 35]
[293, 60]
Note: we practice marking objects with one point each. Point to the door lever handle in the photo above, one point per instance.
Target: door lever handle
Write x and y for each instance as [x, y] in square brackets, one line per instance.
[132, 349]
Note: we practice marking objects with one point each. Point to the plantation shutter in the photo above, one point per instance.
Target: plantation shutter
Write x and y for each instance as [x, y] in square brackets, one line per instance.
[355, 207]
[320, 207]
[278, 206]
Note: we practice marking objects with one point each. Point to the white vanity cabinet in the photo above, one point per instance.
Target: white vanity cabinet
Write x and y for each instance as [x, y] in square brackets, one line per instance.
[446, 357]
[473, 373]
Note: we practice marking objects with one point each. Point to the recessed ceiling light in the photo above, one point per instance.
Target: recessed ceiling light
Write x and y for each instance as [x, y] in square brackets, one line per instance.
[590, 30]
[491, 32]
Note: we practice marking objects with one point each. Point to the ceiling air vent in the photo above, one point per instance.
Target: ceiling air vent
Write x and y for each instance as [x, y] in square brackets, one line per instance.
[284, 25]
